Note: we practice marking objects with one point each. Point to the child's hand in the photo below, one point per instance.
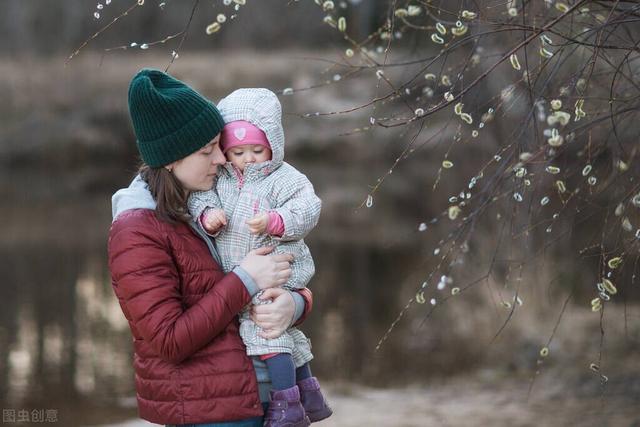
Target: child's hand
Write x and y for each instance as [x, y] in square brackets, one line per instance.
[258, 224]
[214, 220]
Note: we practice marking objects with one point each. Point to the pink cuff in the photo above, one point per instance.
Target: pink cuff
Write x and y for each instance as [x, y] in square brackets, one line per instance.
[275, 225]
[203, 216]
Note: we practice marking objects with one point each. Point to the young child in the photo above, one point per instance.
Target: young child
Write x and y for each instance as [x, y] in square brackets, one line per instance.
[260, 200]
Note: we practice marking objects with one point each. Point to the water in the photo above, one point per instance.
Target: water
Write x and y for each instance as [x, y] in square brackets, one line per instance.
[62, 332]
[67, 147]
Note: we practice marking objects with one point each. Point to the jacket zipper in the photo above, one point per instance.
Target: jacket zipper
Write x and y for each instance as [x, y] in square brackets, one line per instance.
[210, 244]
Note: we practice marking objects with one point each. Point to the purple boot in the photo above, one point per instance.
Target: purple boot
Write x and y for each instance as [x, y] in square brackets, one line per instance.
[285, 409]
[313, 401]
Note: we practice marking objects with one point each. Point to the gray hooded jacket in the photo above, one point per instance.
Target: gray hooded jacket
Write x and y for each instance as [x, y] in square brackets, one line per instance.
[269, 186]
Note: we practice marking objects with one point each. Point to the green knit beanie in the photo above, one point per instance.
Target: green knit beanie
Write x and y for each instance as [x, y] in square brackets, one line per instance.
[170, 119]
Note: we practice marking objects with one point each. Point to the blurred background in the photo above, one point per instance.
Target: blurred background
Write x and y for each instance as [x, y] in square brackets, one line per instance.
[472, 358]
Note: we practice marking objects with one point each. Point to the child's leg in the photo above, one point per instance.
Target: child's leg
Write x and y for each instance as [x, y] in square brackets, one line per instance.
[303, 372]
[285, 407]
[282, 371]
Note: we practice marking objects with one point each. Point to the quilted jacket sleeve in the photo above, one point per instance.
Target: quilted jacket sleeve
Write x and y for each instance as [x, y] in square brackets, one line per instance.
[298, 206]
[145, 280]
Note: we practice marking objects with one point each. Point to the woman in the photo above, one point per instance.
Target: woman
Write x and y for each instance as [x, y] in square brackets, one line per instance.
[190, 363]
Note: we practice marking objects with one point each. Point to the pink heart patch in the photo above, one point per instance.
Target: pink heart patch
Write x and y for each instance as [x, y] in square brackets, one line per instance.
[240, 133]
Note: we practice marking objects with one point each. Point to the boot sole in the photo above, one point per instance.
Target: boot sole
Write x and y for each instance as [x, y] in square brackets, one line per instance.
[303, 423]
[306, 422]
[319, 415]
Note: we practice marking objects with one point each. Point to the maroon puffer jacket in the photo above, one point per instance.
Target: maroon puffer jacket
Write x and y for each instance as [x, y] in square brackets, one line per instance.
[190, 363]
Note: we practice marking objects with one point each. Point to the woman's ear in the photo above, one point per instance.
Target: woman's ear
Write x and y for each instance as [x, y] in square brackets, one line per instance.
[170, 167]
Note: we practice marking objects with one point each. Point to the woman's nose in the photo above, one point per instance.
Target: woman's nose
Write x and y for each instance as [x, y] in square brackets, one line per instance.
[218, 158]
[249, 158]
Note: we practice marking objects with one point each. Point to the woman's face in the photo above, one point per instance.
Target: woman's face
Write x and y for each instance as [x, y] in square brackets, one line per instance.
[197, 171]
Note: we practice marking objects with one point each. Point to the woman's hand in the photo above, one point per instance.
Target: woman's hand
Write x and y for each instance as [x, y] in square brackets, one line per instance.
[274, 318]
[266, 270]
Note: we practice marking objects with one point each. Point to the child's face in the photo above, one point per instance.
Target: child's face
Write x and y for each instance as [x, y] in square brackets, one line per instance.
[242, 155]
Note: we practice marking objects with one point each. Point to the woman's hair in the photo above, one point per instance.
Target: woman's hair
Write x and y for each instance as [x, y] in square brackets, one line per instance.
[170, 196]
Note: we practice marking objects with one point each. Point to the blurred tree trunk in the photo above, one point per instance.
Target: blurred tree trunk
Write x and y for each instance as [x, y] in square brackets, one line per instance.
[16, 18]
[8, 321]
[366, 18]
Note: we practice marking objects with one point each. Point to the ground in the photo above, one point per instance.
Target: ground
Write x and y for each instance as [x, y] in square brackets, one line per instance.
[481, 400]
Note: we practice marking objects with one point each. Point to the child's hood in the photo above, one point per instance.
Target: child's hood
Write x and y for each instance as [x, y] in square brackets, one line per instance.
[260, 107]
